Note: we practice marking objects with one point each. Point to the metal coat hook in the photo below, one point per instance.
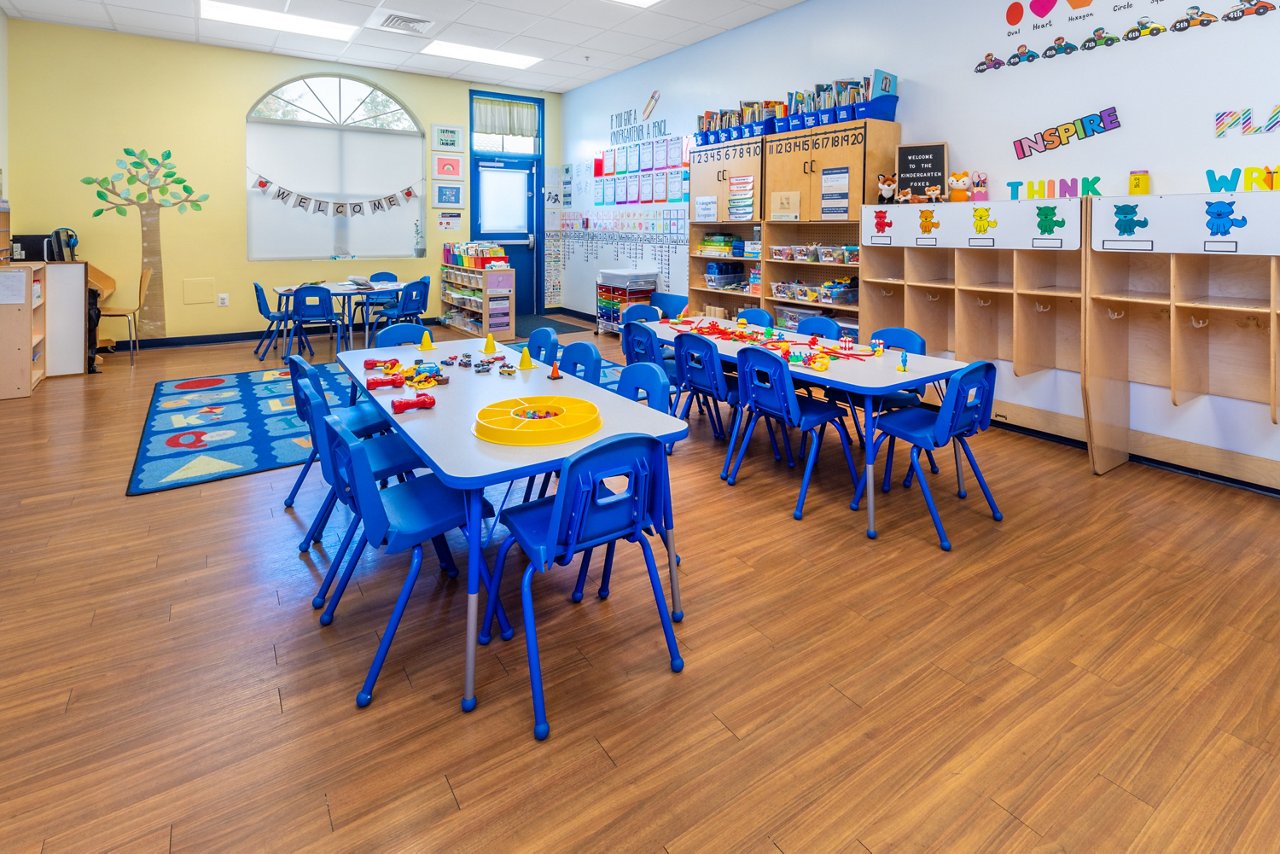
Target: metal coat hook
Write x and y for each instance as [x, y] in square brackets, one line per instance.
[1114, 315]
[933, 297]
[984, 302]
[1198, 324]
[886, 292]
[1043, 308]
[1250, 320]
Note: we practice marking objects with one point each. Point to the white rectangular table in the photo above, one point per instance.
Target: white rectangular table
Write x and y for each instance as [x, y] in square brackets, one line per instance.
[443, 438]
[870, 377]
[347, 292]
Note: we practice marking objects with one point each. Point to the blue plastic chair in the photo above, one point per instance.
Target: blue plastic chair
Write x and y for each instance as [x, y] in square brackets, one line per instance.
[372, 301]
[276, 321]
[669, 304]
[398, 334]
[700, 374]
[822, 326]
[389, 457]
[411, 305]
[911, 342]
[399, 518]
[965, 412]
[543, 345]
[363, 419]
[756, 317]
[312, 305]
[641, 312]
[640, 344]
[582, 360]
[767, 390]
[586, 513]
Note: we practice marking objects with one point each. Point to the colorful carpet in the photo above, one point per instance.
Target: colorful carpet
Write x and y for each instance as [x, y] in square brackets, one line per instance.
[209, 428]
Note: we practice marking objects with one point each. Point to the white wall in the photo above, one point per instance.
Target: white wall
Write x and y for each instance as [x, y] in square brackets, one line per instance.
[1166, 89]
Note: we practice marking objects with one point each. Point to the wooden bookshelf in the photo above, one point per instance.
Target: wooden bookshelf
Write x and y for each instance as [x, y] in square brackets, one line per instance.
[479, 301]
[22, 328]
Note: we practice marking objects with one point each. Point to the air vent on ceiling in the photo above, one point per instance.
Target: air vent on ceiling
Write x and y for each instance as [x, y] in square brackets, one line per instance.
[398, 22]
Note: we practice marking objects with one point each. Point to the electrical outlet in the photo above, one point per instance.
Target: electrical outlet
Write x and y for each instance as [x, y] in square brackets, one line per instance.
[224, 300]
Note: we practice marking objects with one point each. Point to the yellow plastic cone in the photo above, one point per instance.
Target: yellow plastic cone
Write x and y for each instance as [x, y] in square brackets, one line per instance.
[427, 343]
[489, 346]
[526, 361]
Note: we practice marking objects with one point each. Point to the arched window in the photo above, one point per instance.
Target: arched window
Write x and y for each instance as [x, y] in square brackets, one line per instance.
[335, 169]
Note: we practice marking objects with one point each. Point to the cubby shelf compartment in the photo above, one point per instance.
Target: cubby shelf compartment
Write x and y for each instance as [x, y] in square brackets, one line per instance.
[931, 311]
[984, 269]
[1131, 276]
[1230, 283]
[1047, 332]
[933, 267]
[1223, 352]
[1049, 273]
[983, 326]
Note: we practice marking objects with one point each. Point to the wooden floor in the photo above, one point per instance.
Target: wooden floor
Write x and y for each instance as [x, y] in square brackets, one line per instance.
[1099, 672]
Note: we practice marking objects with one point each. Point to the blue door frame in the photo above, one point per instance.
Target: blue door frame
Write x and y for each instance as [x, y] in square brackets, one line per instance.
[535, 160]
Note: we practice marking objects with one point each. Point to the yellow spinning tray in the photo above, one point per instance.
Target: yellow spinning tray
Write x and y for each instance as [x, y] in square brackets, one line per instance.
[502, 424]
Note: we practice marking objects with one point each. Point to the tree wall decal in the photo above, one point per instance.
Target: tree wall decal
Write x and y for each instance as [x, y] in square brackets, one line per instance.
[149, 184]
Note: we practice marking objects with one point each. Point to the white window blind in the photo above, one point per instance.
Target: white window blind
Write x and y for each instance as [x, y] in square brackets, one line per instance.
[504, 118]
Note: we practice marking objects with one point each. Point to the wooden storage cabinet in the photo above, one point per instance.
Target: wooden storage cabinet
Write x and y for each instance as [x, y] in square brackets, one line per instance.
[796, 162]
[479, 301]
[712, 168]
[701, 296]
[22, 329]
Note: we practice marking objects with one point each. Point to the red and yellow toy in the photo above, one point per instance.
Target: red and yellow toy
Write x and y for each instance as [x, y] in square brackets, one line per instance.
[372, 364]
[395, 381]
[402, 405]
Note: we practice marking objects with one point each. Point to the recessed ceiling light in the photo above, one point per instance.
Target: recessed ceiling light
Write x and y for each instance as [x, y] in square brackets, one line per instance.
[468, 53]
[643, 4]
[230, 13]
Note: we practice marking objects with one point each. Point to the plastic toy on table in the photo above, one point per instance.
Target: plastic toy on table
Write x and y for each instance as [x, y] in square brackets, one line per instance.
[877, 347]
[450, 361]
[393, 381]
[846, 344]
[483, 367]
[374, 364]
[507, 370]
[489, 345]
[526, 361]
[555, 372]
[421, 400]
[427, 343]
[903, 367]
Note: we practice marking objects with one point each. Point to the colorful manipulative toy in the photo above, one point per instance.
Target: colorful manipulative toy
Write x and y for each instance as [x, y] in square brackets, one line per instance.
[393, 381]
[421, 400]
[903, 367]
[847, 344]
[489, 345]
[374, 364]
[538, 420]
[427, 343]
[742, 323]
[877, 347]
[555, 372]
[526, 361]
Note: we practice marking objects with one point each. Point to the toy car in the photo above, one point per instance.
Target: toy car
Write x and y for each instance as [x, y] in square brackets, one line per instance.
[989, 63]
[1194, 18]
[1144, 27]
[507, 370]
[483, 368]
[1248, 7]
[1024, 54]
[1099, 37]
[1060, 47]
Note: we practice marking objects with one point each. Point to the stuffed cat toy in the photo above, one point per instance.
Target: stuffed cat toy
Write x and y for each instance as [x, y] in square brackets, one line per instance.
[960, 186]
[888, 188]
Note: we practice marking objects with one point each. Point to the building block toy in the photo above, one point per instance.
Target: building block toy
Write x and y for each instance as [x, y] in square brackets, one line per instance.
[422, 400]
[373, 364]
[394, 381]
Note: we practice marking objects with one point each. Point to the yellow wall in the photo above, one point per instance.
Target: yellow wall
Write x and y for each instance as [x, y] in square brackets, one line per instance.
[92, 93]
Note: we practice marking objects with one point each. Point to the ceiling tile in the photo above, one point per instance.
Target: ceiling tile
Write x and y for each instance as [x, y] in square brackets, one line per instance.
[159, 34]
[564, 32]
[618, 42]
[666, 28]
[237, 34]
[338, 11]
[706, 11]
[393, 41]
[778, 4]
[432, 10]
[497, 18]
[358, 52]
[81, 11]
[593, 57]
[326, 47]
[474, 36]
[742, 15]
[558, 69]
[433, 64]
[269, 5]
[656, 50]
[137, 20]
[532, 47]
[169, 7]
[596, 13]
[533, 7]
[533, 80]
[480, 73]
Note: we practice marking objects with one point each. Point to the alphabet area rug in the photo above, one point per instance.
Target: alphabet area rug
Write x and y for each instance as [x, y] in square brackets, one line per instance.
[210, 428]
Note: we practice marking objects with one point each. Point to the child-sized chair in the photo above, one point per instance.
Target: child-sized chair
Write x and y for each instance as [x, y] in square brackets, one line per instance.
[312, 305]
[641, 312]
[585, 513]
[756, 317]
[399, 333]
[640, 344]
[543, 345]
[276, 321]
[400, 518]
[820, 325]
[582, 360]
[411, 305]
[372, 301]
[701, 378]
[965, 412]
[911, 342]
[767, 390]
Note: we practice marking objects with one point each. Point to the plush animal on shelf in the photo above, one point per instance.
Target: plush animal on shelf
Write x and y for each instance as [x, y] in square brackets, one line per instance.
[982, 221]
[979, 192]
[883, 222]
[960, 185]
[1127, 222]
[888, 188]
[1220, 221]
[905, 197]
[933, 194]
[1047, 221]
[927, 222]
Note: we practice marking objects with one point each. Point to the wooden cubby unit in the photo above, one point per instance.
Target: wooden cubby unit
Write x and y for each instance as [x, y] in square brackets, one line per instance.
[1231, 283]
[1131, 276]
[880, 306]
[701, 296]
[22, 328]
[984, 269]
[1048, 273]
[1223, 352]
[1048, 333]
[883, 264]
[931, 311]
[984, 326]
[935, 267]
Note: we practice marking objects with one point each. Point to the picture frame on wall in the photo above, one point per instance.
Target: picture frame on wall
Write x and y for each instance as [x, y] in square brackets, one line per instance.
[447, 167]
[448, 138]
[447, 194]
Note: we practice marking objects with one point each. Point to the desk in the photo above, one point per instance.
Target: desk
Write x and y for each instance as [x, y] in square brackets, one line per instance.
[442, 437]
[869, 378]
[347, 292]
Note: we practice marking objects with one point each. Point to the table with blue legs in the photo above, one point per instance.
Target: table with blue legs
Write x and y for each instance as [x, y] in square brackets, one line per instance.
[443, 437]
[346, 292]
[869, 377]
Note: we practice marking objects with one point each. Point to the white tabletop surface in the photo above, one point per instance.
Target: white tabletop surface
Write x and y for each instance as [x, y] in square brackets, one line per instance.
[343, 289]
[443, 436]
[872, 375]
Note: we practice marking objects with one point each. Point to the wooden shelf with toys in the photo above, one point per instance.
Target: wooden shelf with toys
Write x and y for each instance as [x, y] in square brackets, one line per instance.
[22, 328]
[1182, 293]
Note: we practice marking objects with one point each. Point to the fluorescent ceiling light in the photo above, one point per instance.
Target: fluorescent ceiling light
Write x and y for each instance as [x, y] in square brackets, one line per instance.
[230, 13]
[468, 53]
[643, 4]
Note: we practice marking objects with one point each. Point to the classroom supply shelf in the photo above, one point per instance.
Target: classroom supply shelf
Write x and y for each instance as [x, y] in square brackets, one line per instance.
[22, 328]
[479, 301]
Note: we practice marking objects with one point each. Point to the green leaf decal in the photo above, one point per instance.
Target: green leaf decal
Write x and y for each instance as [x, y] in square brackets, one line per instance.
[153, 161]
[142, 155]
[140, 198]
[122, 164]
[119, 176]
[166, 155]
[138, 165]
[98, 212]
[182, 209]
[131, 180]
[103, 183]
[164, 191]
[88, 180]
[102, 194]
[170, 174]
[130, 152]
[180, 180]
[120, 211]
[204, 197]
[195, 206]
